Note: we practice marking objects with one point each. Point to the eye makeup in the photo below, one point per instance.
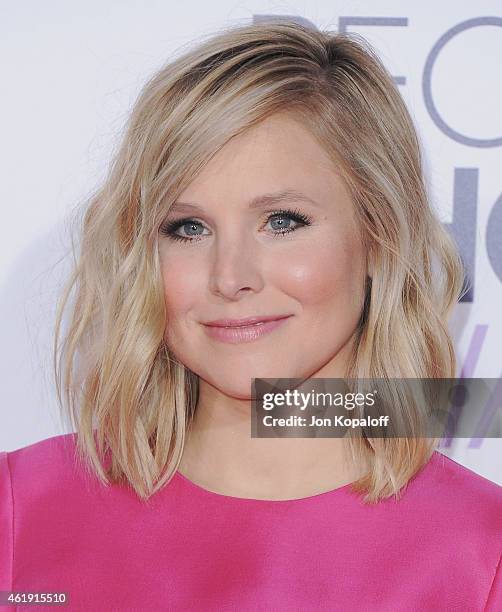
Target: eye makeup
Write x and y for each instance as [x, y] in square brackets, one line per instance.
[170, 228]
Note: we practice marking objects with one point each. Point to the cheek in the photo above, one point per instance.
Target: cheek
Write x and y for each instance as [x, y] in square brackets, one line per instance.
[182, 281]
[323, 274]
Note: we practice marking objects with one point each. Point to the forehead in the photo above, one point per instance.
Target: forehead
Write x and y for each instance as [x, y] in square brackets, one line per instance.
[277, 156]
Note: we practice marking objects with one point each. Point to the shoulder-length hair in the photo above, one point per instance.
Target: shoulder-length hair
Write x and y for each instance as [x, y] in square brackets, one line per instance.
[123, 389]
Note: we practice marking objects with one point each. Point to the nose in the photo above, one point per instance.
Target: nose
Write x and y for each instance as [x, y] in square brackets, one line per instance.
[235, 266]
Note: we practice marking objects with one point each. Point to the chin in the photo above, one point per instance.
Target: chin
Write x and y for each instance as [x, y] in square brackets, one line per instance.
[239, 394]
[240, 386]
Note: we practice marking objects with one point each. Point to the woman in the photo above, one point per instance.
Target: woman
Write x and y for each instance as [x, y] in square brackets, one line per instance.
[265, 216]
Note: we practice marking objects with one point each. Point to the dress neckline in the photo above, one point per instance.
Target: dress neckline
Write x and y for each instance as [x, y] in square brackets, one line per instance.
[337, 491]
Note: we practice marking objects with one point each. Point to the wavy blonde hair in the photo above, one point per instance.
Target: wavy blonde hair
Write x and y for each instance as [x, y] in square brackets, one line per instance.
[117, 380]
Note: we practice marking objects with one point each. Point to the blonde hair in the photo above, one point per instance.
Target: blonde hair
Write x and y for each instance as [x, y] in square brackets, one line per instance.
[128, 394]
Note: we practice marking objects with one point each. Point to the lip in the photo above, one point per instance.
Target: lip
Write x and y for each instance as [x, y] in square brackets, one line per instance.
[245, 321]
[256, 328]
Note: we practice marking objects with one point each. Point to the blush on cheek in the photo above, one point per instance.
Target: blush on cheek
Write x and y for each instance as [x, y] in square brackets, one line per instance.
[319, 274]
[183, 284]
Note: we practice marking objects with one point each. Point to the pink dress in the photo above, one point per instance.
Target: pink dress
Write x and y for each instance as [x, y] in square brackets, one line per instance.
[61, 531]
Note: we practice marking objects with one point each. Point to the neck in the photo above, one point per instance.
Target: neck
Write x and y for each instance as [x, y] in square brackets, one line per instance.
[221, 456]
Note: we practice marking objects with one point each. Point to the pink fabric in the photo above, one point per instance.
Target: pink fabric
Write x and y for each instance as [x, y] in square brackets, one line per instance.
[438, 548]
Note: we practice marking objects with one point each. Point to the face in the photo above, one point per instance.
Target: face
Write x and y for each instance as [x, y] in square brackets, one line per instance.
[300, 258]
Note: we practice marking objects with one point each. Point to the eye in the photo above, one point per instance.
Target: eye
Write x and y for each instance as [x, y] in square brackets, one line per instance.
[280, 220]
[188, 225]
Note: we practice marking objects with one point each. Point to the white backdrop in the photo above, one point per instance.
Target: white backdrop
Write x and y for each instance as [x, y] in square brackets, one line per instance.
[70, 73]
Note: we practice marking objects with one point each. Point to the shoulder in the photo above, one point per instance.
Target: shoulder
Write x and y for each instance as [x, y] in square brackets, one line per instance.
[45, 472]
[29, 478]
[471, 513]
[450, 516]
[34, 465]
[457, 505]
[450, 505]
[43, 449]
[463, 489]
[457, 496]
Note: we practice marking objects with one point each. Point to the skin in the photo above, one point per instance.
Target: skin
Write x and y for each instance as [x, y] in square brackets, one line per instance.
[237, 268]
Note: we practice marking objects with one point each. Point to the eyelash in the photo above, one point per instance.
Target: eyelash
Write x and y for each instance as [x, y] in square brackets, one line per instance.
[169, 229]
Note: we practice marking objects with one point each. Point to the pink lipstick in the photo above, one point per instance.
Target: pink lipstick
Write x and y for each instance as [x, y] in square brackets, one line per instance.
[235, 331]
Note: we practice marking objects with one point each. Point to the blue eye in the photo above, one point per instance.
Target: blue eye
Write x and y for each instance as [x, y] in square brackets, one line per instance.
[191, 224]
[283, 228]
[279, 218]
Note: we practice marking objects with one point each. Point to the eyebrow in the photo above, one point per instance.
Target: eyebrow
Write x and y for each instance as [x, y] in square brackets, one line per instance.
[261, 201]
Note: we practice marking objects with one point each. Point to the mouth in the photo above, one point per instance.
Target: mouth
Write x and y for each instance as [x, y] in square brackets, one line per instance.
[252, 329]
[246, 322]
